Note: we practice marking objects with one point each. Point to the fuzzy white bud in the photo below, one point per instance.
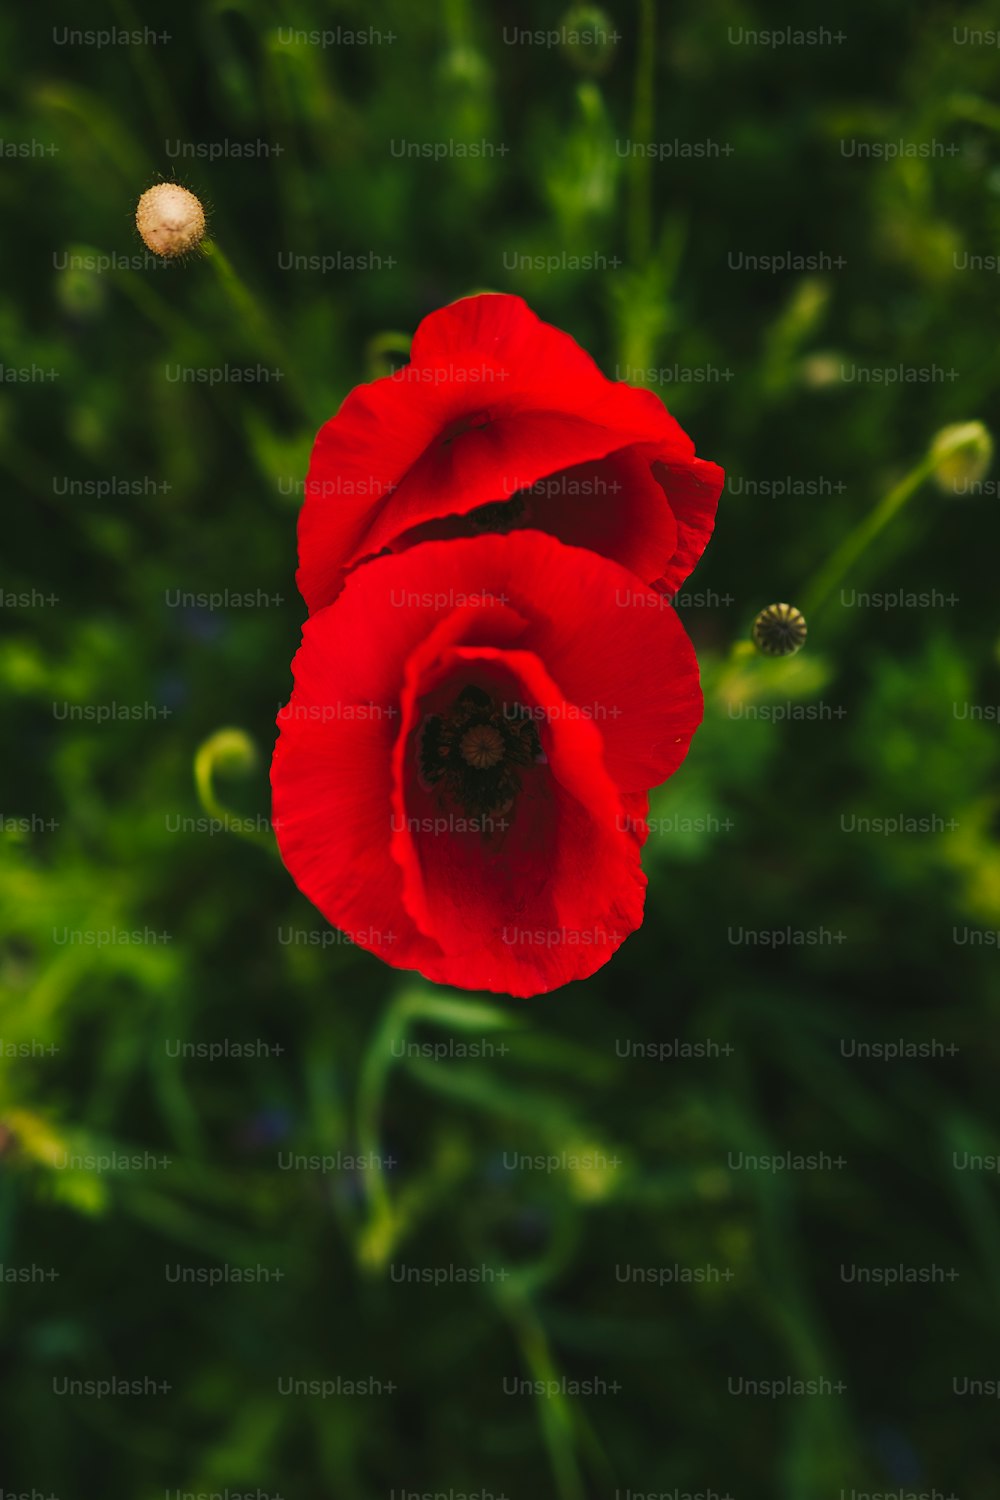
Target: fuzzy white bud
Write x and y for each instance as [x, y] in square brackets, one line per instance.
[170, 219]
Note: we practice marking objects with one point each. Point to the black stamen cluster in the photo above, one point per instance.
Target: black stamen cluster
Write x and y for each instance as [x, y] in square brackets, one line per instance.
[479, 791]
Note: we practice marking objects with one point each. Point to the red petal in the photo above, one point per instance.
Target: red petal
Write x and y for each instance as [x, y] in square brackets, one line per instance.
[611, 666]
[332, 787]
[693, 491]
[493, 400]
[524, 902]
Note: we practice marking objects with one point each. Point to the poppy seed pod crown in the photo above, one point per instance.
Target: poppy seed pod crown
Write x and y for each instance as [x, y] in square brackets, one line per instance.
[779, 630]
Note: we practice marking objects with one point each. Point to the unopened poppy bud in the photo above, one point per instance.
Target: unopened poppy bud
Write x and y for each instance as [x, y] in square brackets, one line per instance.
[170, 219]
[779, 630]
[961, 454]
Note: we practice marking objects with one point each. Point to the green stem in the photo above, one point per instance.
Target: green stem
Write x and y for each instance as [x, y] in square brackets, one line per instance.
[250, 311]
[388, 1217]
[640, 167]
[375, 1071]
[555, 1412]
[857, 541]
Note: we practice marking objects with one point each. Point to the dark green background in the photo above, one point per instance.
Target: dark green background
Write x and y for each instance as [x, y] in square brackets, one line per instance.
[766, 850]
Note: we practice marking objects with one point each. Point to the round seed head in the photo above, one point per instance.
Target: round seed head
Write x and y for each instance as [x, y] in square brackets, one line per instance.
[779, 630]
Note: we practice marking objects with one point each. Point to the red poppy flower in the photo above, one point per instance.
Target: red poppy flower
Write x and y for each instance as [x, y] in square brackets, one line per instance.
[502, 421]
[460, 782]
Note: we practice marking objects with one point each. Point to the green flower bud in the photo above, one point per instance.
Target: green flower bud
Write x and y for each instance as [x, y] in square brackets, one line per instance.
[962, 455]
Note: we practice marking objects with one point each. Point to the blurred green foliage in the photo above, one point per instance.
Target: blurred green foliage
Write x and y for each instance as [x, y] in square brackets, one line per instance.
[129, 487]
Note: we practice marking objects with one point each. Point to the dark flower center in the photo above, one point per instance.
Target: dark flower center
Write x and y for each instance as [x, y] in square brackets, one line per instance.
[475, 749]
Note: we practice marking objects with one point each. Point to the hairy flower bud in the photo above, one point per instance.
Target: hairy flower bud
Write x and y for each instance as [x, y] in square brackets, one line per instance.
[170, 219]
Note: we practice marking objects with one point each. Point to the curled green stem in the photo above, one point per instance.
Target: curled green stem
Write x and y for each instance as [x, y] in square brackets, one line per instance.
[229, 750]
